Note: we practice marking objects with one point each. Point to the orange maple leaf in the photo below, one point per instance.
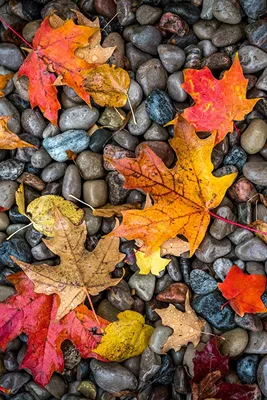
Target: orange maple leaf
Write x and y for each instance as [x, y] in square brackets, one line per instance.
[8, 139]
[3, 81]
[182, 195]
[244, 291]
[217, 102]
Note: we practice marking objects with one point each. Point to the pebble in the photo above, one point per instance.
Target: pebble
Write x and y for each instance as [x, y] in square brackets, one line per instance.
[226, 11]
[7, 109]
[107, 311]
[201, 282]
[40, 159]
[253, 267]
[227, 35]
[115, 153]
[257, 343]
[190, 355]
[210, 249]
[56, 386]
[236, 156]
[126, 140]
[5, 292]
[159, 338]
[30, 29]
[79, 117]
[95, 193]
[253, 249]
[207, 48]
[99, 139]
[136, 57]
[186, 11]
[174, 270]
[14, 228]
[120, 296]
[206, 12]
[93, 223]
[7, 193]
[90, 165]
[205, 29]
[33, 122]
[107, 8]
[234, 343]
[41, 252]
[14, 381]
[149, 365]
[53, 172]
[161, 149]
[222, 266]
[262, 375]
[254, 137]
[11, 57]
[251, 322]
[111, 119]
[72, 184]
[171, 57]
[32, 236]
[156, 132]
[159, 107]
[253, 9]
[174, 293]
[143, 285]
[74, 140]
[113, 377]
[135, 94]
[242, 190]
[261, 83]
[151, 75]
[16, 247]
[25, 154]
[209, 307]
[246, 368]
[172, 23]
[175, 90]
[143, 121]
[11, 169]
[257, 34]
[220, 229]
[126, 15]
[50, 131]
[148, 15]
[146, 38]
[117, 193]
[217, 62]
[4, 221]
[252, 59]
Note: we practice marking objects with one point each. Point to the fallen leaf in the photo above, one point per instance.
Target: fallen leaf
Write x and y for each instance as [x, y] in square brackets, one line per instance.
[3, 81]
[8, 139]
[128, 337]
[35, 315]
[174, 247]
[109, 210]
[107, 85]
[263, 199]
[217, 102]
[80, 273]
[206, 387]
[182, 195]
[20, 199]
[152, 263]
[42, 213]
[244, 291]
[261, 226]
[186, 326]
[233, 391]
[71, 155]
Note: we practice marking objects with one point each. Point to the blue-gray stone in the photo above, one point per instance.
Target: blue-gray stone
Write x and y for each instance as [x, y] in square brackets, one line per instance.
[253, 8]
[17, 248]
[236, 156]
[11, 169]
[159, 107]
[209, 306]
[247, 368]
[201, 282]
[74, 140]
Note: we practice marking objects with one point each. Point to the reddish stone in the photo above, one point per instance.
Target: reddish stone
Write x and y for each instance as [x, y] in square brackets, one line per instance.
[107, 8]
[174, 24]
[175, 293]
[162, 149]
[242, 191]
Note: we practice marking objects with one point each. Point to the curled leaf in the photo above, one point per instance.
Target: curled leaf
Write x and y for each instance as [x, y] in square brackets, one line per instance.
[20, 199]
[8, 139]
[3, 81]
[109, 209]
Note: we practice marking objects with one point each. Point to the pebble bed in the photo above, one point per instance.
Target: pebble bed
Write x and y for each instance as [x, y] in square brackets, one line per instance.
[156, 40]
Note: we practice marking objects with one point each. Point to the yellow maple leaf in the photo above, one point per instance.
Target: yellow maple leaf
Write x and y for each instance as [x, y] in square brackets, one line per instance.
[152, 263]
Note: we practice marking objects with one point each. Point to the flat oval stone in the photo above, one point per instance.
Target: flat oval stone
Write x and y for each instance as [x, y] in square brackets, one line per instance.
[53, 172]
[257, 343]
[257, 34]
[146, 38]
[90, 165]
[7, 193]
[253, 249]
[247, 368]
[159, 107]
[95, 192]
[10, 55]
[226, 11]
[252, 59]
[143, 121]
[11, 169]
[148, 15]
[187, 11]
[72, 184]
[175, 90]
[254, 137]
[234, 343]
[253, 9]
[33, 122]
[201, 282]
[171, 57]
[256, 172]
[79, 117]
[228, 34]
[74, 140]
[144, 285]
[205, 29]
[151, 75]
[211, 248]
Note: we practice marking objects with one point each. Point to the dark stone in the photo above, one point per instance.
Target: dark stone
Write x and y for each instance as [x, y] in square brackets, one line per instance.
[187, 11]
[165, 374]
[11, 169]
[16, 217]
[172, 23]
[99, 139]
[26, 9]
[201, 282]
[247, 368]
[14, 381]
[254, 9]
[17, 248]
[236, 156]
[257, 34]
[159, 107]
[183, 41]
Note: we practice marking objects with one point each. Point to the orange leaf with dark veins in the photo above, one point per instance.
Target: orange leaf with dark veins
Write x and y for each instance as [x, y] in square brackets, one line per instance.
[35, 315]
[54, 50]
[182, 195]
[244, 291]
[217, 102]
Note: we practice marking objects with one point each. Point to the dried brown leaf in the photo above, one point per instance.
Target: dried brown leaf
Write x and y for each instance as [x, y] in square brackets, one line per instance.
[109, 210]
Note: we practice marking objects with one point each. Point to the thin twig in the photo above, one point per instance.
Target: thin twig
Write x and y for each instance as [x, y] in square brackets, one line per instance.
[20, 229]
[83, 202]
[131, 108]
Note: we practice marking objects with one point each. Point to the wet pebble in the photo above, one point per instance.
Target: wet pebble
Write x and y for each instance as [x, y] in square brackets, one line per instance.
[126, 140]
[210, 249]
[262, 375]
[227, 35]
[148, 15]
[220, 229]
[187, 11]
[136, 57]
[175, 90]
[247, 368]
[171, 57]
[156, 132]
[99, 139]
[53, 172]
[11, 169]
[142, 119]
[159, 107]
[135, 94]
[242, 190]
[174, 293]
[159, 338]
[151, 75]
[126, 14]
[90, 165]
[112, 119]
[201, 282]
[7, 193]
[117, 192]
[253, 249]
[222, 266]
[146, 38]
[41, 252]
[33, 122]
[251, 322]
[143, 285]
[226, 11]
[120, 296]
[40, 159]
[72, 184]
[95, 193]
[205, 29]
[252, 59]
[80, 117]
[254, 137]
[172, 23]
[257, 343]
[10, 55]
[234, 343]
[17, 248]
[257, 34]
[14, 381]
[236, 156]
[149, 365]
[253, 9]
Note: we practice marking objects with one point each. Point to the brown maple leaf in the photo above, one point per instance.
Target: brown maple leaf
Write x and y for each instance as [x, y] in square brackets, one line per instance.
[79, 273]
[8, 139]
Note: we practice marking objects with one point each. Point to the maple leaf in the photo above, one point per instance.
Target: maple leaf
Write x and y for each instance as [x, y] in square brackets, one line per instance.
[3, 81]
[35, 315]
[174, 247]
[260, 226]
[125, 338]
[8, 139]
[109, 209]
[244, 291]
[186, 326]
[182, 195]
[79, 273]
[217, 102]
[153, 263]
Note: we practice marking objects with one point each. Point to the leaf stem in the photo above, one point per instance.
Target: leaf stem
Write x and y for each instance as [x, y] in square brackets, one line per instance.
[237, 224]
[237, 130]
[20, 229]
[16, 33]
[83, 202]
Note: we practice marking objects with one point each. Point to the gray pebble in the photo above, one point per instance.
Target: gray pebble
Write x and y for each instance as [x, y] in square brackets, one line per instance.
[156, 132]
[220, 229]
[144, 285]
[253, 9]
[254, 137]
[40, 159]
[148, 15]
[207, 48]
[252, 59]
[41, 252]
[10, 55]
[79, 117]
[151, 75]
[251, 322]
[257, 343]
[149, 365]
[211, 248]
[72, 184]
[95, 193]
[175, 89]
[222, 266]
[253, 249]
[11, 169]
[126, 140]
[117, 192]
[234, 342]
[135, 94]
[143, 121]
[22, 86]
[4, 221]
[205, 29]
[254, 267]
[14, 380]
[120, 296]
[172, 57]
[50, 131]
[92, 222]
[7, 109]
[6, 291]
[159, 338]
[14, 228]
[256, 172]
[32, 236]
[226, 11]
[240, 235]
[90, 165]
[126, 15]
[56, 386]
[228, 34]
[201, 282]
[53, 172]
[146, 38]
[207, 12]
[7, 193]
[33, 122]
[136, 57]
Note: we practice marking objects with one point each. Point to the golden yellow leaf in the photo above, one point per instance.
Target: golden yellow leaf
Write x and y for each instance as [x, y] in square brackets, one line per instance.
[125, 338]
[20, 200]
[186, 326]
[152, 263]
[109, 210]
[3, 81]
[8, 139]
[261, 226]
[42, 213]
[79, 273]
[174, 247]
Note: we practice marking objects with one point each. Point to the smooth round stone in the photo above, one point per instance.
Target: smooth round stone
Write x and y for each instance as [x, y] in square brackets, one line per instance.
[261, 83]
[151, 75]
[41, 252]
[95, 193]
[30, 29]
[126, 140]
[7, 193]
[257, 34]
[135, 56]
[210, 249]
[234, 343]
[201, 282]
[236, 156]
[159, 107]
[247, 368]
[33, 122]
[227, 35]
[90, 165]
[256, 172]
[144, 285]
[133, 364]
[253, 267]
[226, 11]
[186, 11]
[171, 57]
[143, 121]
[51, 130]
[146, 38]
[115, 152]
[174, 86]
[206, 12]
[149, 365]
[14, 247]
[107, 311]
[257, 343]
[120, 296]
[99, 139]
[40, 159]
[220, 229]
[9, 86]
[56, 386]
[53, 172]
[74, 140]
[174, 270]
[7, 109]
[22, 86]
[217, 61]
[92, 222]
[88, 389]
[32, 236]
[253, 249]
[156, 132]
[79, 117]
[254, 137]
[161, 149]
[112, 377]
[10, 55]
[5, 292]
[117, 192]
[205, 29]
[262, 375]
[14, 228]
[250, 322]
[111, 119]
[126, 15]
[253, 9]
[72, 184]
[207, 48]
[11, 169]
[107, 8]
[148, 15]
[252, 59]
[135, 94]
[209, 306]
[14, 381]
[222, 266]
[25, 154]
[159, 338]
[4, 221]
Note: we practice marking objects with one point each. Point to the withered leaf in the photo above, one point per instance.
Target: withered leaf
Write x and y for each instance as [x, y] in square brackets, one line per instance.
[109, 210]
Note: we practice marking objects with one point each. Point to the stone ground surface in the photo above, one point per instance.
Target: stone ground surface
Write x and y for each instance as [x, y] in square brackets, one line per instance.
[199, 33]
